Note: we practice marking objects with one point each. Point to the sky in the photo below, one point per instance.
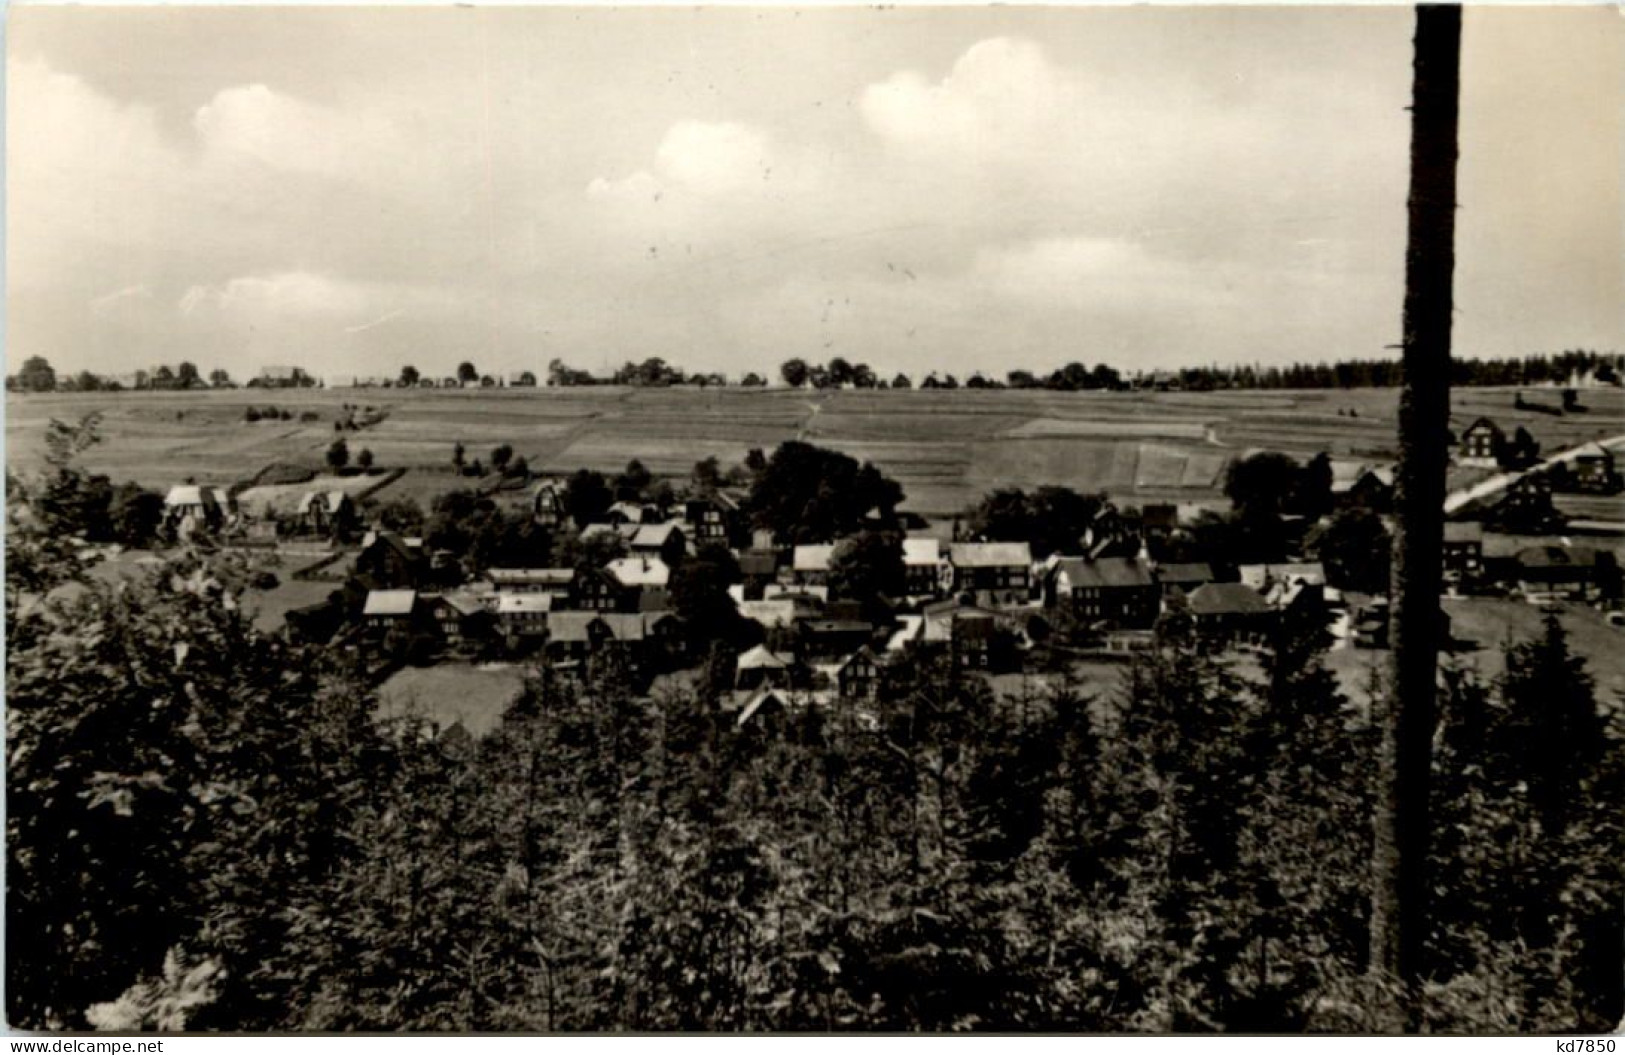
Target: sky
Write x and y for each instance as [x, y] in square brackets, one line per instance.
[952, 189]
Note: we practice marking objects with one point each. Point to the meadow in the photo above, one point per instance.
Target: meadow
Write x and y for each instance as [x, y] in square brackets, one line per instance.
[945, 447]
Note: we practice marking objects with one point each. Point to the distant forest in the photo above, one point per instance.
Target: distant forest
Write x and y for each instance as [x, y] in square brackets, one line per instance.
[1573, 367]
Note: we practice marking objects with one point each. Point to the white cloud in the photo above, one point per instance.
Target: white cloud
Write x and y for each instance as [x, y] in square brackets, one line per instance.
[290, 294]
[111, 301]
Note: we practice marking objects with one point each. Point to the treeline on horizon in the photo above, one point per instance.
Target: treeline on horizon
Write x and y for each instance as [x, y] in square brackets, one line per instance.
[1572, 366]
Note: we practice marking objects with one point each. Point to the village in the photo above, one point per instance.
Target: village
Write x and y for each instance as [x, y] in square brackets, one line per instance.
[670, 576]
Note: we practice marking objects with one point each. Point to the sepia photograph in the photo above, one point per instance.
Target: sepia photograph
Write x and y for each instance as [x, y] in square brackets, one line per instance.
[814, 520]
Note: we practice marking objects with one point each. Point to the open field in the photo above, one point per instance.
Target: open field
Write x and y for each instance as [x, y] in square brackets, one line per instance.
[946, 448]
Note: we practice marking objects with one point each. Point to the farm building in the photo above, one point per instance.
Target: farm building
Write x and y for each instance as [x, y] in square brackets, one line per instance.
[1577, 573]
[1182, 577]
[996, 573]
[854, 677]
[1110, 592]
[925, 570]
[389, 559]
[458, 616]
[1357, 485]
[522, 615]
[1231, 612]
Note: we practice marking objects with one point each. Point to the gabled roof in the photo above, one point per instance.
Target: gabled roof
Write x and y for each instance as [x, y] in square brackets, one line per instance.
[190, 495]
[622, 531]
[1593, 450]
[1346, 475]
[765, 700]
[389, 602]
[1104, 572]
[462, 601]
[813, 558]
[531, 576]
[632, 511]
[1227, 598]
[922, 552]
[655, 536]
[524, 603]
[330, 501]
[762, 658]
[990, 554]
[1259, 576]
[1557, 557]
[622, 626]
[1482, 423]
[1184, 573]
[409, 548]
[639, 571]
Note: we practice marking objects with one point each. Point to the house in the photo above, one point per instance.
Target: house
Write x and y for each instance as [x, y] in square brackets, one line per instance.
[1182, 577]
[809, 565]
[1110, 534]
[640, 637]
[326, 512]
[391, 560]
[547, 504]
[664, 542]
[760, 707]
[644, 579]
[1108, 592]
[1482, 443]
[855, 676]
[926, 573]
[712, 517]
[1463, 553]
[459, 616]
[189, 508]
[835, 633]
[996, 573]
[1526, 506]
[1592, 469]
[1577, 573]
[1230, 612]
[1360, 486]
[976, 638]
[387, 610]
[554, 582]
[523, 615]
[761, 667]
[596, 590]
[757, 568]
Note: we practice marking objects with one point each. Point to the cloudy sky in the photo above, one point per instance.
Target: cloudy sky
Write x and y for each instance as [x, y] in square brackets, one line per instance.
[958, 189]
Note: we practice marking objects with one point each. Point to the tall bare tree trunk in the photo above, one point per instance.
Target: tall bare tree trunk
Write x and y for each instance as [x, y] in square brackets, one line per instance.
[1407, 714]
